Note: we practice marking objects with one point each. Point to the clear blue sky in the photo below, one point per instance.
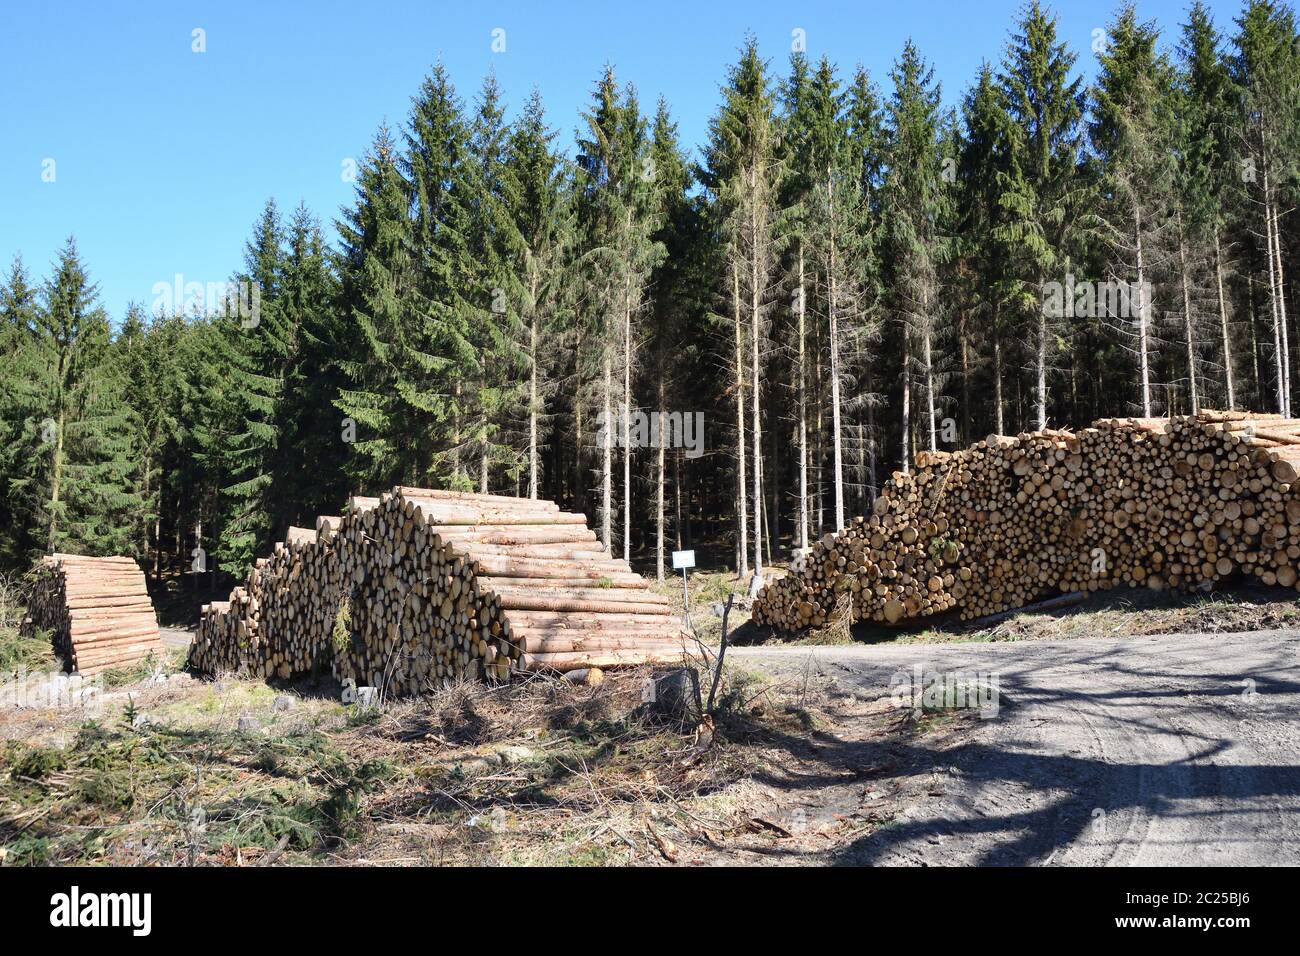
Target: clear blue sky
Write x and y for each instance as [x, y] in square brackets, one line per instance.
[164, 157]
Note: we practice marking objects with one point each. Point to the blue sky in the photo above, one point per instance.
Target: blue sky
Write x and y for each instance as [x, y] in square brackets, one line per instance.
[163, 157]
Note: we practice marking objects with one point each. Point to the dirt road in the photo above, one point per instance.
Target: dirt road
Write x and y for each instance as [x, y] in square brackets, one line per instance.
[1161, 751]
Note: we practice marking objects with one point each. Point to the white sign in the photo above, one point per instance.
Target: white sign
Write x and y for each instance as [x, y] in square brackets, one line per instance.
[683, 559]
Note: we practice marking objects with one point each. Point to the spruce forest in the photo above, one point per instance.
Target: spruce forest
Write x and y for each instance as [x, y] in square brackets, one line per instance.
[849, 270]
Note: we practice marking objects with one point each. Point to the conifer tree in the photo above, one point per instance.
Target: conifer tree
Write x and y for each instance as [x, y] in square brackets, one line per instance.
[1042, 192]
[911, 197]
[1265, 71]
[1208, 163]
[1130, 134]
[75, 488]
[542, 212]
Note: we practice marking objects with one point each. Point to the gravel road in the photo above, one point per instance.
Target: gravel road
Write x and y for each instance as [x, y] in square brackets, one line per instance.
[1158, 751]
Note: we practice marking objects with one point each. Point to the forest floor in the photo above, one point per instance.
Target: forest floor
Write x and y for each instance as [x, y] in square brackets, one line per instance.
[169, 769]
[811, 758]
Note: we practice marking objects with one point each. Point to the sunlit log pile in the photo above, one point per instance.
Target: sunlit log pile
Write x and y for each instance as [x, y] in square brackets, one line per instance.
[418, 588]
[1187, 503]
[96, 610]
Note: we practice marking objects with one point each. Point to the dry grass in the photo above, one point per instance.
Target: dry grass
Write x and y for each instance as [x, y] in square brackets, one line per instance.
[235, 773]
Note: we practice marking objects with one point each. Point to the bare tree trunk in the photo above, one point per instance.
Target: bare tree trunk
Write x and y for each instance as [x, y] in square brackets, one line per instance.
[755, 320]
[873, 485]
[659, 503]
[741, 511]
[1144, 363]
[1223, 324]
[1188, 334]
[907, 399]
[837, 448]
[998, 425]
[929, 377]
[803, 409]
[532, 406]
[607, 461]
[1254, 340]
[1040, 393]
[1279, 342]
[1281, 306]
[56, 480]
[965, 383]
[627, 421]
[677, 498]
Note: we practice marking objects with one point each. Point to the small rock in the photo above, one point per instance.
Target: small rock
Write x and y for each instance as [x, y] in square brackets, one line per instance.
[514, 754]
[249, 725]
[283, 703]
[141, 720]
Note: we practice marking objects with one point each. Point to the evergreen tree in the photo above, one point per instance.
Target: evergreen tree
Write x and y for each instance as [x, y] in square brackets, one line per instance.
[1042, 191]
[395, 396]
[254, 344]
[742, 167]
[616, 220]
[1207, 163]
[312, 452]
[912, 202]
[541, 209]
[1265, 69]
[75, 487]
[1131, 136]
[984, 162]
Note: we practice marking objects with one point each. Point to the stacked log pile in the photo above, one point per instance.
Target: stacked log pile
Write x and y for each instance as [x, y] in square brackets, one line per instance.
[97, 611]
[1185, 503]
[418, 588]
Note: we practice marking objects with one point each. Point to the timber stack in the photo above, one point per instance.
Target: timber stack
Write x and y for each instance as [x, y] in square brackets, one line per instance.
[97, 611]
[1183, 503]
[417, 588]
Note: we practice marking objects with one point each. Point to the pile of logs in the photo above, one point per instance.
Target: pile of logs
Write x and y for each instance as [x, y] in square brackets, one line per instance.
[97, 611]
[1182, 503]
[417, 588]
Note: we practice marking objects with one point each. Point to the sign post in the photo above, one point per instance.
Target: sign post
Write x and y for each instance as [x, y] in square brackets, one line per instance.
[684, 560]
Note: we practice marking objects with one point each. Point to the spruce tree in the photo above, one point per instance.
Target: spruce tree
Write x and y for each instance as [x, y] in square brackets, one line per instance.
[1130, 134]
[541, 209]
[1042, 191]
[912, 201]
[75, 489]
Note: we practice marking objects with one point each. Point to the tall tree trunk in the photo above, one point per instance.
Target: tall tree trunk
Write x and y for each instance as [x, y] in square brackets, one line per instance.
[742, 558]
[56, 479]
[607, 460]
[1281, 306]
[659, 501]
[677, 497]
[532, 394]
[965, 381]
[803, 409]
[627, 419]
[907, 399]
[1144, 362]
[998, 426]
[872, 486]
[1254, 341]
[1188, 333]
[755, 320]
[1279, 342]
[1223, 324]
[929, 372]
[837, 451]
